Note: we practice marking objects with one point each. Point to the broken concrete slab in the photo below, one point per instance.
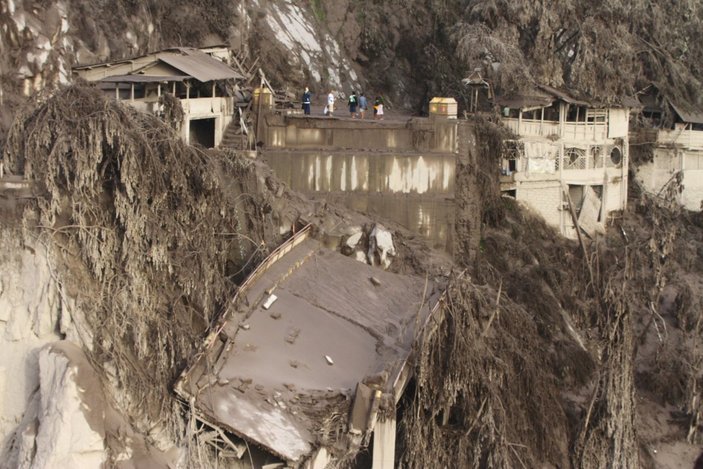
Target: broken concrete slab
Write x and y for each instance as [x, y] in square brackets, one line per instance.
[381, 247]
[329, 308]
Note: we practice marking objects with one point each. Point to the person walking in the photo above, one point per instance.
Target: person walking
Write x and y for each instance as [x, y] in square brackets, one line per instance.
[363, 105]
[306, 101]
[329, 109]
[378, 108]
[352, 104]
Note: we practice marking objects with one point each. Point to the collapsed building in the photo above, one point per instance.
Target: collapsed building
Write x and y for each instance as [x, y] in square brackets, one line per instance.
[312, 359]
[200, 79]
[569, 160]
[673, 133]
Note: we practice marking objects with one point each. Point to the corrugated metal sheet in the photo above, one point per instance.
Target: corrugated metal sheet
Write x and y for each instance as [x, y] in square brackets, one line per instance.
[143, 78]
[524, 101]
[199, 65]
[563, 95]
[188, 60]
[693, 116]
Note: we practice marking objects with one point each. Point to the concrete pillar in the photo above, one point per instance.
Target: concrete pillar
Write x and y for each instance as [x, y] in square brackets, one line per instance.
[219, 128]
[384, 444]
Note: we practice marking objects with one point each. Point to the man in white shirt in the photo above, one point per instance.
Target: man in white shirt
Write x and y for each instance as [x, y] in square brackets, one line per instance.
[330, 103]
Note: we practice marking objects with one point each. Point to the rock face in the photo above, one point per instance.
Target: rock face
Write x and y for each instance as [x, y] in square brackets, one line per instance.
[60, 428]
[29, 318]
[294, 45]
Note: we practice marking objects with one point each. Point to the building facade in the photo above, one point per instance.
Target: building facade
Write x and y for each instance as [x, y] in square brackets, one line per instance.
[569, 159]
[673, 134]
[200, 79]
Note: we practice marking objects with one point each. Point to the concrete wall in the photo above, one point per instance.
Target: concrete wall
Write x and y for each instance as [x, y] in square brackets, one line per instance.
[358, 171]
[399, 171]
[546, 165]
[415, 191]
[544, 198]
[413, 135]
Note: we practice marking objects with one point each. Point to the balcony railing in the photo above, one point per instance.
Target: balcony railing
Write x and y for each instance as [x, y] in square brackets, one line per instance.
[192, 106]
[573, 131]
[686, 138]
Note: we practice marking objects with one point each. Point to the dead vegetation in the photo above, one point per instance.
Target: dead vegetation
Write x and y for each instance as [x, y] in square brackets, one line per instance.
[475, 375]
[150, 235]
[597, 328]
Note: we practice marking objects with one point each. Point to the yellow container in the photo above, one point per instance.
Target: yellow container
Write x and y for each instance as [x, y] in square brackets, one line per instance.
[445, 108]
[266, 98]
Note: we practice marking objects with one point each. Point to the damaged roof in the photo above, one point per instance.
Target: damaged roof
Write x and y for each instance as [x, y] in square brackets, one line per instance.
[545, 96]
[651, 98]
[688, 115]
[309, 325]
[540, 96]
[143, 78]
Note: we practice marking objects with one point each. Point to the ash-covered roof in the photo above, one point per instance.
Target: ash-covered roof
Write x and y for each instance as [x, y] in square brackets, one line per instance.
[278, 375]
[687, 114]
[545, 96]
[201, 66]
[189, 61]
[143, 78]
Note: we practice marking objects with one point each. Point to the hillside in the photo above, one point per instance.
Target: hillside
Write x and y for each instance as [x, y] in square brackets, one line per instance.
[550, 353]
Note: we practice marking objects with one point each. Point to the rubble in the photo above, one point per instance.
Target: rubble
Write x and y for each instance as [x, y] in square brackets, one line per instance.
[381, 247]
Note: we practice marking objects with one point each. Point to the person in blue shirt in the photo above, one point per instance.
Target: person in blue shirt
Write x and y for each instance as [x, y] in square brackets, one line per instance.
[306, 101]
[363, 105]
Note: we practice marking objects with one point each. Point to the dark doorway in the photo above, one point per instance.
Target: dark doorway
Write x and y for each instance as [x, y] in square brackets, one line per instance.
[202, 132]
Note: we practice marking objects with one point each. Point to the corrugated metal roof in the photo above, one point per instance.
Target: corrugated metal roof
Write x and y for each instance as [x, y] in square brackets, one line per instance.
[535, 98]
[143, 78]
[693, 116]
[563, 95]
[522, 102]
[190, 61]
[630, 102]
[199, 65]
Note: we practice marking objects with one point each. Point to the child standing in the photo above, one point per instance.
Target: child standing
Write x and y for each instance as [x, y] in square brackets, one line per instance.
[378, 108]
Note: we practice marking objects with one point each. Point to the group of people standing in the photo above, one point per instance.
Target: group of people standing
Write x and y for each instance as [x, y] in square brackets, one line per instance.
[361, 103]
[358, 105]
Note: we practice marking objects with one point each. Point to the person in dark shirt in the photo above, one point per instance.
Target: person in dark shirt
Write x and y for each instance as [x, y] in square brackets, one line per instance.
[306, 101]
[352, 104]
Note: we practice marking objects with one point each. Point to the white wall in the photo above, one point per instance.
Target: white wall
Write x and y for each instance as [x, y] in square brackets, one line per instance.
[544, 198]
[666, 162]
